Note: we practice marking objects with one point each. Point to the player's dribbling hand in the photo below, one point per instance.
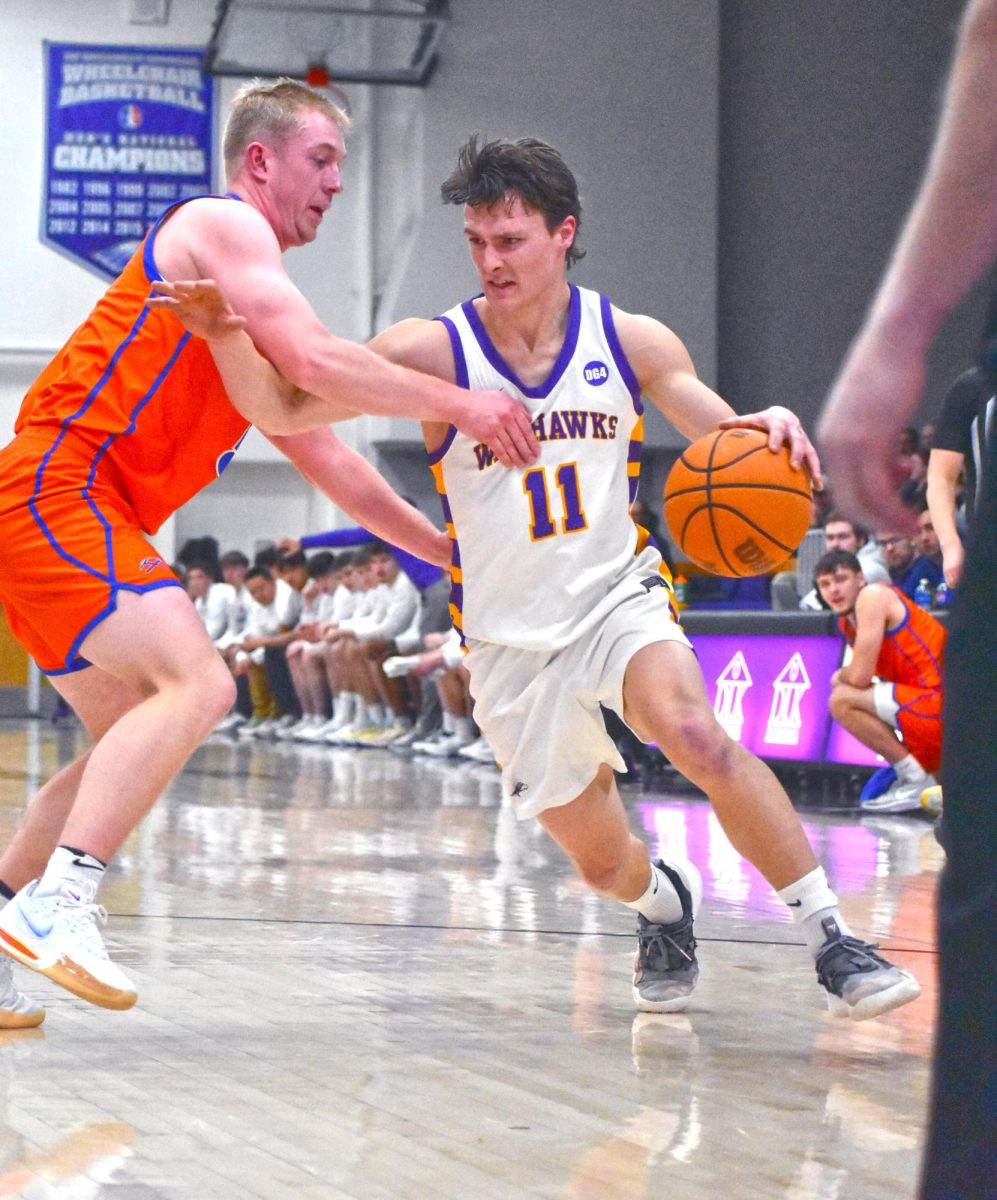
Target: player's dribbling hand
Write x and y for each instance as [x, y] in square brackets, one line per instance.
[199, 305]
[784, 428]
[502, 424]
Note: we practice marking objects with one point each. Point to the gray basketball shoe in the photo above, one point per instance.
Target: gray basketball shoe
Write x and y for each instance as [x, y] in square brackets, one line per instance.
[666, 968]
[860, 983]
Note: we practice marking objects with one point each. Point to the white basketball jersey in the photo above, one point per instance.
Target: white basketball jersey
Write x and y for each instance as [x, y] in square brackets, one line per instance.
[537, 550]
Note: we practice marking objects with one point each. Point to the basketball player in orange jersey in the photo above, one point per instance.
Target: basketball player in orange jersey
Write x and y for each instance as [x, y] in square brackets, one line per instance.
[893, 680]
[567, 606]
[127, 422]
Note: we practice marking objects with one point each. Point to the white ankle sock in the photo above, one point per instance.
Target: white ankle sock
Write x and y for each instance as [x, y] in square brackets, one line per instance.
[660, 903]
[909, 770]
[810, 900]
[73, 867]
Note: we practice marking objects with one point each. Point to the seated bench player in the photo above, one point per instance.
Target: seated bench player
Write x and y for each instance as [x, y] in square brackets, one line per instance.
[893, 682]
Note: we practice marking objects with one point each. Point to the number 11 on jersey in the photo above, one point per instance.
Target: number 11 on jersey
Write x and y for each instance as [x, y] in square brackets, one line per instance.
[541, 522]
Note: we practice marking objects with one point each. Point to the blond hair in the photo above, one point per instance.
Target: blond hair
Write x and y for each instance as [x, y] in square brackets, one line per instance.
[270, 112]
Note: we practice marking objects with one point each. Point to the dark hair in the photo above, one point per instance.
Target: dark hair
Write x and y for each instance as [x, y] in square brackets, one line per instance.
[860, 531]
[828, 563]
[267, 556]
[529, 169]
[259, 572]
[321, 564]
[202, 564]
[297, 558]
[233, 558]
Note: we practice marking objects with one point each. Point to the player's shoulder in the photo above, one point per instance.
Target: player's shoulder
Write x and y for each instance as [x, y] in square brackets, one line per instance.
[416, 342]
[223, 217]
[878, 600]
[649, 344]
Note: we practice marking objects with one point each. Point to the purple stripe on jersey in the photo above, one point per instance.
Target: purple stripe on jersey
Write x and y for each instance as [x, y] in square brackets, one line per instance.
[633, 453]
[447, 514]
[622, 363]
[457, 597]
[634, 481]
[498, 362]
[455, 561]
[443, 447]
[459, 361]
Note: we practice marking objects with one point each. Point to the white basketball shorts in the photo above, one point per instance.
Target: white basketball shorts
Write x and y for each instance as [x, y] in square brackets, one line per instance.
[539, 709]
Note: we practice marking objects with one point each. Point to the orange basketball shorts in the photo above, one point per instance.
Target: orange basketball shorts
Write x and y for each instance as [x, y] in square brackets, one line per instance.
[920, 721]
[70, 546]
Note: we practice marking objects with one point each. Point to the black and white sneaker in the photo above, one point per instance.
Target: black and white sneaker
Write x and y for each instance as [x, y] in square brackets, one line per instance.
[860, 983]
[666, 967]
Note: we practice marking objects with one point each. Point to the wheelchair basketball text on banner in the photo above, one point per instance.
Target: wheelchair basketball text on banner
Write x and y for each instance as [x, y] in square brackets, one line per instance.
[129, 130]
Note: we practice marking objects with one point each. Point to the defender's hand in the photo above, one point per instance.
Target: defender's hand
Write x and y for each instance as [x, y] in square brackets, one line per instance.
[199, 305]
[503, 424]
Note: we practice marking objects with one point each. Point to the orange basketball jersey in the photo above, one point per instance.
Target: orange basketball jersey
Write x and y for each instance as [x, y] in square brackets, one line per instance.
[912, 652]
[140, 397]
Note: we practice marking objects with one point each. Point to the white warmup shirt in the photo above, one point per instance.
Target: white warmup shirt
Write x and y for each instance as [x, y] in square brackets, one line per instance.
[213, 609]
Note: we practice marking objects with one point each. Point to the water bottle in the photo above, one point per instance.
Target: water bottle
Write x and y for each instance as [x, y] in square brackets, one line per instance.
[680, 589]
[943, 595]
[922, 594]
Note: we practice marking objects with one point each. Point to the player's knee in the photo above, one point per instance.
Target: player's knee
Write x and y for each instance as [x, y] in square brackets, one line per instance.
[701, 748]
[216, 693]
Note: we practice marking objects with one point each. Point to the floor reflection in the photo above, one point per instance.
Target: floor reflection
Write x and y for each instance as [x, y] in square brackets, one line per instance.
[360, 976]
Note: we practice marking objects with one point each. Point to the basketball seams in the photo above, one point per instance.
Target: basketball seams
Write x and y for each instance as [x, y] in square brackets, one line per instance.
[730, 462]
[730, 541]
[762, 487]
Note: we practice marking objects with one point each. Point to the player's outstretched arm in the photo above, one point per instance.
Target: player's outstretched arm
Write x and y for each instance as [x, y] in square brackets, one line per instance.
[234, 245]
[352, 484]
[667, 376]
[949, 236]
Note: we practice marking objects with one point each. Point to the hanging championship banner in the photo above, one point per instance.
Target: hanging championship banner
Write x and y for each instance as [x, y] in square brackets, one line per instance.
[129, 130]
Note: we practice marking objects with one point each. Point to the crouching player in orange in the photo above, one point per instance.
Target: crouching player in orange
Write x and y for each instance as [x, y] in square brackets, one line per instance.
[893, 682]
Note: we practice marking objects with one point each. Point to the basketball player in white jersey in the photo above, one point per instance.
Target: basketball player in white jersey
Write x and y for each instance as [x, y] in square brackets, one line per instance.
[561, 602]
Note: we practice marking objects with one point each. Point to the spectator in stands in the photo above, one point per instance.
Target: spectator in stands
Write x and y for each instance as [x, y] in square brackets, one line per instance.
[357, 706]
[213, 601]
[366, 639]
[434, 619]
[273, 614]
[421, 573]
[926, 539]
[293, 568]
[234, 565]
[969, 411]
[306, 652]
[906, 567]
[893, 681]
[442, 661]
[839, 533]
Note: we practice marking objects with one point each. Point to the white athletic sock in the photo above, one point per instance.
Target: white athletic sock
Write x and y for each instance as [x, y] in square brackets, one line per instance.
[810, 900]
[74, 867]
[374, 715]
[909, 770]
[464, 727]
[660, 903]
[449, 722]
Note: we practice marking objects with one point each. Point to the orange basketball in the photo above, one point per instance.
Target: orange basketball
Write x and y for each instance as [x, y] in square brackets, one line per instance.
[734, 507]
